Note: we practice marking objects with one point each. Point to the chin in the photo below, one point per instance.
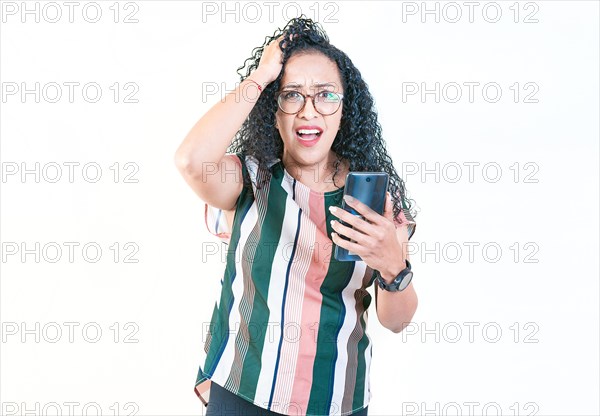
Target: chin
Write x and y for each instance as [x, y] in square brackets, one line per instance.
[307, 156]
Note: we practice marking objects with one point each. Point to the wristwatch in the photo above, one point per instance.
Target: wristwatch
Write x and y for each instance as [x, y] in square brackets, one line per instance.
[400, 282]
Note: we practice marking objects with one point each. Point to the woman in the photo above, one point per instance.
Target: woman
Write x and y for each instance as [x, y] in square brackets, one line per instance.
[288, 335]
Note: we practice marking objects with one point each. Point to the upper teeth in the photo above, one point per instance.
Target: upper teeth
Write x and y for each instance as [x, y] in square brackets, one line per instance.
[314, 131]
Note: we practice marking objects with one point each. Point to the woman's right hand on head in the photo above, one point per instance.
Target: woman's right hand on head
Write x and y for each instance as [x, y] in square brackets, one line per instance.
[270, 62]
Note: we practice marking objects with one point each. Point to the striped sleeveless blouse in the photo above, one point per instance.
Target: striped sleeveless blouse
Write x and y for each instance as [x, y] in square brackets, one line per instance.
[289, 331]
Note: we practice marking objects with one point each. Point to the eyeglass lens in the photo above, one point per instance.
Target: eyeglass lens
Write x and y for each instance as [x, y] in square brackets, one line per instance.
[325, 102]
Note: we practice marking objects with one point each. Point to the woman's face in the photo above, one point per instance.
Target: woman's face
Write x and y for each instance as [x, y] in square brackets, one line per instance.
[308, 74]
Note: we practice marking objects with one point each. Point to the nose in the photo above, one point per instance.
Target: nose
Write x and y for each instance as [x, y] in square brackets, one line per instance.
[308, 111]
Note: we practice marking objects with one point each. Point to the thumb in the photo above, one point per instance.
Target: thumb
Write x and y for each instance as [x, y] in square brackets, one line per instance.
[388, 211]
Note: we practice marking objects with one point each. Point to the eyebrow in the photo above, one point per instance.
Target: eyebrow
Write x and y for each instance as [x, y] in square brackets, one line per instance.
[315, 85]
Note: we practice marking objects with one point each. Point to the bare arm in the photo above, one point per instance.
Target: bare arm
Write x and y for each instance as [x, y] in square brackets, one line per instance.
[395, 310]
[200, 158]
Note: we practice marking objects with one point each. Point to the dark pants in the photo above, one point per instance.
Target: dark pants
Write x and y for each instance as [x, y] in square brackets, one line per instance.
[224, 403]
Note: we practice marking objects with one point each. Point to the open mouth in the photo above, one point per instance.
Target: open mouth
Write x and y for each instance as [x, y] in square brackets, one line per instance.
[308, 136]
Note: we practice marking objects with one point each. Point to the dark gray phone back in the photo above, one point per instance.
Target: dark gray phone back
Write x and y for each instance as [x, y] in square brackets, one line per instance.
[370, 188]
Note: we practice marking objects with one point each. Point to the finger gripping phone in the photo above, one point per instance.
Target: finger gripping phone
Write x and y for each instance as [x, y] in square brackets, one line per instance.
[370, 188]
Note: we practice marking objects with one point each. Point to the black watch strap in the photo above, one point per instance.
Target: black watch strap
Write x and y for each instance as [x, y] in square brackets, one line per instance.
[400, 283]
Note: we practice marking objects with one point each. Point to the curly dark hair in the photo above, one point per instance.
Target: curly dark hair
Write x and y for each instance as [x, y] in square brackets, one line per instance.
[359, 139]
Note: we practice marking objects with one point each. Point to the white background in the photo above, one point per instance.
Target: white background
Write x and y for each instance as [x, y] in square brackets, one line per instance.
[174, 53]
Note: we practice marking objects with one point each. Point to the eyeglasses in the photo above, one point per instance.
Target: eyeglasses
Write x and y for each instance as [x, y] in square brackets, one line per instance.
[325, 102]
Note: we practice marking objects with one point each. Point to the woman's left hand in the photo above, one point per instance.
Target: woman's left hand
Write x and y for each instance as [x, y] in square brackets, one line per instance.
[377, 241]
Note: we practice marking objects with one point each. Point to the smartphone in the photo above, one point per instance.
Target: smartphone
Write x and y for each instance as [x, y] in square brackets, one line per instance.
[370, 188]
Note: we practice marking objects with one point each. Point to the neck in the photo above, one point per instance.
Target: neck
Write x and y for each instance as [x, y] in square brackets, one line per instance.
[317, 176]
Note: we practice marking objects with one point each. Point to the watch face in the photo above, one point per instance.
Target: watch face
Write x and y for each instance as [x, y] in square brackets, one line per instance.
[406, 281]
